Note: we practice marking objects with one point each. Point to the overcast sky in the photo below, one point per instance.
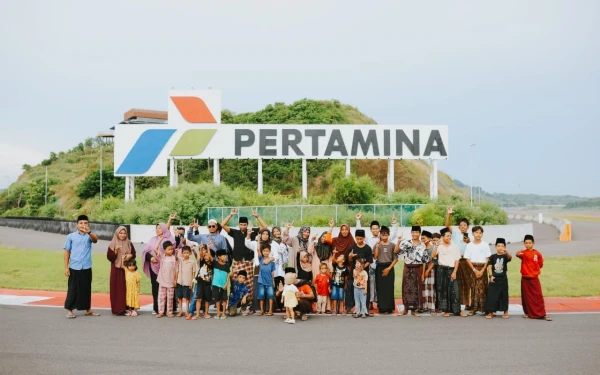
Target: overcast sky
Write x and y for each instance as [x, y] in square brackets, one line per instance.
[520, 79]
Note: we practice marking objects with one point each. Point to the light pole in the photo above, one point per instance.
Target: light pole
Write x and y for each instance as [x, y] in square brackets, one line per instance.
[100, 173]
[472, 152]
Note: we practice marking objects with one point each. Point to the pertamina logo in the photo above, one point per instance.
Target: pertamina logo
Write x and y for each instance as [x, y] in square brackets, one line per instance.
[150, 145]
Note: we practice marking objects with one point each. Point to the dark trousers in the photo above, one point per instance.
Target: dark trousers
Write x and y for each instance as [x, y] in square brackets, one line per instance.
[79, 292]
[155, 288]
[349, 297]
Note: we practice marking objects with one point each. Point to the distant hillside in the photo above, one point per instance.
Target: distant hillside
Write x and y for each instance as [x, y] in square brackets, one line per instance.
[73, 176]
[510, 200]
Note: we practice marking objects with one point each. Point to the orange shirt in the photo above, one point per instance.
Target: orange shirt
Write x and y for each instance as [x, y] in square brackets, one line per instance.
[531, 263]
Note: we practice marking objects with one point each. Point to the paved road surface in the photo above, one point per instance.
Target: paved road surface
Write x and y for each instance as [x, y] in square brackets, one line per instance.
[40, 340]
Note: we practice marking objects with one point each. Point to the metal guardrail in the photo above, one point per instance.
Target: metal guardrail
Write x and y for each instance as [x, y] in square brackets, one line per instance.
[319, 215]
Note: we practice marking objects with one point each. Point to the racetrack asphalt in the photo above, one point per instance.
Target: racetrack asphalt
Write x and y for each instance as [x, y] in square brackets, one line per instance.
[41, 340]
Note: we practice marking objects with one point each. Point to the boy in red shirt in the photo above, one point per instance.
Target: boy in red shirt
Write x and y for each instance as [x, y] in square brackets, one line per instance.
[323, 289]
[531, 289]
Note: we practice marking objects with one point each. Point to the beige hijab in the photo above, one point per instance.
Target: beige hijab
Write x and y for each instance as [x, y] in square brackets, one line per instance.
[125, 246]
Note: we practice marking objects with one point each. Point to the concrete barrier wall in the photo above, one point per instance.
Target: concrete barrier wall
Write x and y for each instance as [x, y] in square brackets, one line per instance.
[104, 231]
[512, 233]
[562, 225]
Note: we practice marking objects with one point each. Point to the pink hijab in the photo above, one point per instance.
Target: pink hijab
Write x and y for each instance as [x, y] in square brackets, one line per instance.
[151, 245]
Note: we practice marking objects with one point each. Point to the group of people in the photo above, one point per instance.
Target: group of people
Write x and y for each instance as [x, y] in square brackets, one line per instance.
[268, 270]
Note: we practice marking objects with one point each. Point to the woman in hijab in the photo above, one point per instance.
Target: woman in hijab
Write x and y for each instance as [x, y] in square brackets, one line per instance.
[297, 244]
[151, 264]
[323, 252]
[120, 250]
[342, 243]
[341, 246]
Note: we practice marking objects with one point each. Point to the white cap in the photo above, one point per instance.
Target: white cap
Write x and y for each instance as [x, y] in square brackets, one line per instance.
[212, 221]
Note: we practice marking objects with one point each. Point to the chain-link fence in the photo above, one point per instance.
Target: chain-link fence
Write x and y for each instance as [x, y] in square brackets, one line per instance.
[319, 215]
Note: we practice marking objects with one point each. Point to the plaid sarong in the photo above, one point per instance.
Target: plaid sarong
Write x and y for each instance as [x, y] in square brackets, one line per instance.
[429, 291]
[248, 266]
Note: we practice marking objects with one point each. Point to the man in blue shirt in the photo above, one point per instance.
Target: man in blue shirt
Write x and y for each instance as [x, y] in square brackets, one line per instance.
[214, 240]
[78, 268]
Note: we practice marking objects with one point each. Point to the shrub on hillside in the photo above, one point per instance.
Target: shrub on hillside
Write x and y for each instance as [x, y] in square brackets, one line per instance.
[435, 214]
[111, 185]
[354, 190]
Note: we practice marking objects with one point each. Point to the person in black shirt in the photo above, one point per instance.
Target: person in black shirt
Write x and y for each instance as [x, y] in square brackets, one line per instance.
[497, 295]
[360, 250]
[242, 256]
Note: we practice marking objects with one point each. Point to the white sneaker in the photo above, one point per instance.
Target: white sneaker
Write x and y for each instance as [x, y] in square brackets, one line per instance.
[287, 320]
[292, 321]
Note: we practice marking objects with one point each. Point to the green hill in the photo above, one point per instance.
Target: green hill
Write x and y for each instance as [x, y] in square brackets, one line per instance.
[73, 176]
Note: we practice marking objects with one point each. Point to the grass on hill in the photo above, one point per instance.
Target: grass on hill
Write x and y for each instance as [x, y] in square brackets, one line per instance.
[43, 270]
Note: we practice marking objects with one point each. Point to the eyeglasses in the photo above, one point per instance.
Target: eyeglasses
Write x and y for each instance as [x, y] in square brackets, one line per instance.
[212, 226]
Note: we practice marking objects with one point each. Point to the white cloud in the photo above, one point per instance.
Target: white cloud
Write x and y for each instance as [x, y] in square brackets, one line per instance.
[12, 158]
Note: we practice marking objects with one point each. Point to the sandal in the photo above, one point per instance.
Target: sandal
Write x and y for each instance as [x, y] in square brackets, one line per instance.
[304, 317]
[134, 313]
[415, 313]
[71, 316]
[433, 313]
[402, 313]
[269, 314]
[547, 318]
[160, 315]
[127, 313]
[92, 313]
[525, 316]
[206, 316]
[471, 313]
[179, 315]
[260, 314]
[505, 316]
[170, 316]
[446, 315]
[490, 316]
[462, 314]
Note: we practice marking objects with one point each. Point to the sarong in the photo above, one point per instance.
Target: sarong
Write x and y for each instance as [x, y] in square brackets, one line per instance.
[372, 288]
[497, 295]
[118, 289]
[532, 298]
[463, 276]
[447, 290]
[248, 266]
[479, 288]
[79, 292]
[411, 286]
[385, 289]
[429, 291]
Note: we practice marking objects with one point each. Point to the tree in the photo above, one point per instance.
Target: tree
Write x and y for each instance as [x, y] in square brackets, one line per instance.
[111, 185]
[26, 167]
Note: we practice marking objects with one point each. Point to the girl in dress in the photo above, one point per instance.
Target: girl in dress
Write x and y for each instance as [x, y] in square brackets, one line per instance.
[132, 281]
[288, 297]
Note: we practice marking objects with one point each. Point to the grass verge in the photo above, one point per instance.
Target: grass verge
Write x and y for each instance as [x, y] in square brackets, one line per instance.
[43, 270]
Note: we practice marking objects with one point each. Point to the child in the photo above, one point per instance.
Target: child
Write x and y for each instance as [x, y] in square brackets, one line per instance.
[477, 254]
[323, 289]
[338, 285]
[132, 281]
[266, 279]
[531, 289]
[447, 286]
[220, 282]
[239, 296]
[436, 239]
[385, 277]
[497, 294]
[187, 271]
[288, 297]
[361, 278]
[428, 294]
[360, 250]
[203, 284]
[167, 279]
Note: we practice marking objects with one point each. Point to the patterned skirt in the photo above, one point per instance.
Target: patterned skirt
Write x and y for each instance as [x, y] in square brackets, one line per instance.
[463, 276]
[248, 266]
[479, 288]
[411, 286]
[429, 291]
[448, 291]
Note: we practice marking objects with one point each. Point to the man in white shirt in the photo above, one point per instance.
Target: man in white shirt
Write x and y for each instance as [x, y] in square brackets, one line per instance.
[477, 255]
[461, 238]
